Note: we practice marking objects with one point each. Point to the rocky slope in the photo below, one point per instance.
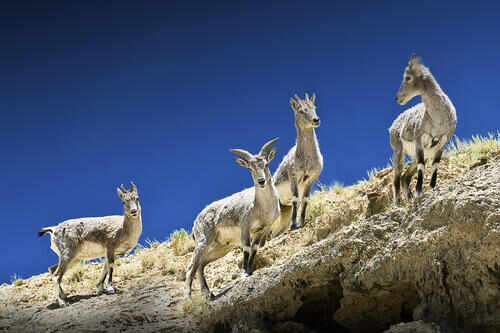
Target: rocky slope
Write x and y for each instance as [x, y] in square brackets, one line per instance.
[360, 265]
[437, 260]
[155, 307]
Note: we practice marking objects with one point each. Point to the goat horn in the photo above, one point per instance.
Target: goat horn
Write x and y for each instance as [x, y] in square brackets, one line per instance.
[313, 97]
[265, 148]
[243, 153]
[123, 188]
[133, 187]
[307, 96]
[297, 98]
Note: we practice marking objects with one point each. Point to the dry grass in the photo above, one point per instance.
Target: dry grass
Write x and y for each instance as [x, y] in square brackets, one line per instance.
[465, 152]
[181, 242]
[199, 306]
[330, 209]
[17, 280]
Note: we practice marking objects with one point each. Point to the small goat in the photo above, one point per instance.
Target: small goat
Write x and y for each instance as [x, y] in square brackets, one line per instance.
[241, 219]
[421, 131]
[300, 168]
[95, 237]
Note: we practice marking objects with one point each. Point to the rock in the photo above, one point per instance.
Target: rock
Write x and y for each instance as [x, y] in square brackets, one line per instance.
[290, 326]
[321, 233]
[481, 161]
[383, 173]
[414, 327]
[376, 203]
[437, 260]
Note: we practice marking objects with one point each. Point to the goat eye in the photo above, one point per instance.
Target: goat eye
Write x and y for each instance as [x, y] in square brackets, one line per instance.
[408, 78]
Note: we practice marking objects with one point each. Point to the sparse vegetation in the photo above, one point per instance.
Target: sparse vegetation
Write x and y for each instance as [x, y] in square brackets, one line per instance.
[467, 151]
[17, 280]
[181, 242]
[330, 209]
[78, 273]
[199, 306]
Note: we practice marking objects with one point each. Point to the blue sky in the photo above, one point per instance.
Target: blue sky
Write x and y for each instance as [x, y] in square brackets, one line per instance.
[94, 94]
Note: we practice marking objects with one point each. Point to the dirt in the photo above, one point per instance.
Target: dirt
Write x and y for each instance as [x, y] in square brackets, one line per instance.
[155, 307]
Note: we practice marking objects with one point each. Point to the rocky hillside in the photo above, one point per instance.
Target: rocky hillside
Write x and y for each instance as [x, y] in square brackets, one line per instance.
[437, 260]
[360, 265]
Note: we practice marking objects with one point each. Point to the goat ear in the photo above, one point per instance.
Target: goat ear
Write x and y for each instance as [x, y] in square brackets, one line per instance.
[271, 155]
[313, 98]
[242, 162]
[120, 193]
[422, 73]
[293, 104]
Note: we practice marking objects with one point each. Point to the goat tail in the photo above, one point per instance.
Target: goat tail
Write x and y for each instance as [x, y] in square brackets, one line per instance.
[43, 231]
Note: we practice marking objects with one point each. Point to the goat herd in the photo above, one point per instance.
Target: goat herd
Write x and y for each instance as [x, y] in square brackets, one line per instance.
[274, 203]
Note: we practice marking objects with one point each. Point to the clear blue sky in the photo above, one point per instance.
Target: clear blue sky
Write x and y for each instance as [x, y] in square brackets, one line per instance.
[97, 93]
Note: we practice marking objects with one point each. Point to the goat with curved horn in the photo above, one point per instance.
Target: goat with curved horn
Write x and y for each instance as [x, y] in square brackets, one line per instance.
[243, 153]
[242, 219]
[267, 146]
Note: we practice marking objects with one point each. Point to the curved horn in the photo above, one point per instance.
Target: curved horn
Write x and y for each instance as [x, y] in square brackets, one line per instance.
[266, 147]
[124, 190]
[133, 187]
[243, 153]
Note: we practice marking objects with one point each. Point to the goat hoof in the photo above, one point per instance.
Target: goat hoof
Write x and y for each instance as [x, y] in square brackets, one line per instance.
[110, 290]
[245, 274]
[62, 302]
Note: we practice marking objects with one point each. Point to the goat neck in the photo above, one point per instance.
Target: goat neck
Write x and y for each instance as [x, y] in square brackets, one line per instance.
[307, 142]
[266, 197]
[132, 224]
[438, 106]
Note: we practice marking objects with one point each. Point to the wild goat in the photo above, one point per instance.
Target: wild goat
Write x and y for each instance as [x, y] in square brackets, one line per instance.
[241, 219]
[421, 131]
[300, 168]
[95, 237]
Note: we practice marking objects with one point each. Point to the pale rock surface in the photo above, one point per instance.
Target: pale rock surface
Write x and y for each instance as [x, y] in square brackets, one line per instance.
[437, 260]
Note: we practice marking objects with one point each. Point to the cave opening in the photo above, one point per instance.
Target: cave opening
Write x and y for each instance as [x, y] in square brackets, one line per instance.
[318, 307]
